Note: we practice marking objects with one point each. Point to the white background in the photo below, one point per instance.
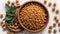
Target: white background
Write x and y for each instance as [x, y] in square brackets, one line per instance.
[51, 14]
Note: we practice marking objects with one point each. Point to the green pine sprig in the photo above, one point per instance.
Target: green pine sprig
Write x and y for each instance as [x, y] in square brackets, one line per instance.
[10, 14]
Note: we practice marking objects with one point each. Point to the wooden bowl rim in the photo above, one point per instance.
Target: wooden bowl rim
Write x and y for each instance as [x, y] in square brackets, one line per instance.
[27, 28]
[12, 29]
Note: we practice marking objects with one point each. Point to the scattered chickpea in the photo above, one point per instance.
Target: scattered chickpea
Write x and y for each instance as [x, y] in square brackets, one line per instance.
[57, 20]
[17, 1]
[50, 27]
[53, 9]
[4, 28]
[3, 25]
[58, 23]
[45, 1]
[55, 30]
[1, 22]
[49, 31]
[8, 32]
[54, 5]
[8, 1]
[13, 3]
[59, 29]
[57, 11]
[49, 4]
[55, 17]
[18, 5]
[1, 15]
[54, 24]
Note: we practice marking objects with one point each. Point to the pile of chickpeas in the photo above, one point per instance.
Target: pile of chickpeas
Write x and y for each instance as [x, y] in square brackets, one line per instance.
[16, 27]
[33, 16]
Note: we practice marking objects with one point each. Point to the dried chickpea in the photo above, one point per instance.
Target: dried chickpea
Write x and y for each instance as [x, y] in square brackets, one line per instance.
[45, 1]
[15, 28]
[8, 32]
[8, 1]
[54, 4]
[58, 23]
[57, 20]
[4, 28]
[18, 5]
[55, 30]
[1, 22]
[13, 3]
[12, 26]
[55, 17]
[1, 15]
[49, 4]
[3, 25]
[49, 31]
[57, 11]
[17, 1]
[16, 24]
[54, 24]
[53, 9]
[50, 27]
[59, 29]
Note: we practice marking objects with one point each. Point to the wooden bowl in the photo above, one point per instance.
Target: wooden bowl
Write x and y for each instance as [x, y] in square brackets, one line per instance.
[46, 11]
[13, 29]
